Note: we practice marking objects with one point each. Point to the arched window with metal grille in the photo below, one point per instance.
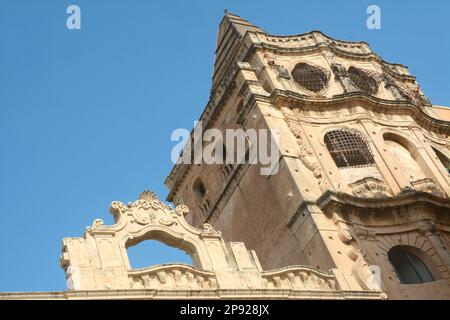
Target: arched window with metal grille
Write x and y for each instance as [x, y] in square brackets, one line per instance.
[349, 148]
[313, 78]
[364, 80]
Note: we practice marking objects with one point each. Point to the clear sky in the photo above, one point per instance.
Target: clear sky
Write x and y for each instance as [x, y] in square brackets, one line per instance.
[86, 115]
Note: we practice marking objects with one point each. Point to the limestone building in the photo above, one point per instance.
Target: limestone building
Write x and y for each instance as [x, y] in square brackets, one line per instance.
[358, 209]
[364, 166]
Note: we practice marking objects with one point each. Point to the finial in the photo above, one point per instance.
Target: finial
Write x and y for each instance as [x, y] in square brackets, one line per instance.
[225, 11]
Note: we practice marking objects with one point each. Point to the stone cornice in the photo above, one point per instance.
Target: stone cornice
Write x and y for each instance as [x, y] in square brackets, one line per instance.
[358, 98]
[368, 205]
[316, 41]
[378, 105]
[155, 294]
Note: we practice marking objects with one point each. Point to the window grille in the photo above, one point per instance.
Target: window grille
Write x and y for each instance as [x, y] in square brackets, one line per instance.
[364, 80]
[313, 78]
[348, 148]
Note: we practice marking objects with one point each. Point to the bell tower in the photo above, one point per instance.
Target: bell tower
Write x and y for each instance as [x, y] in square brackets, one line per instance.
[363, 183]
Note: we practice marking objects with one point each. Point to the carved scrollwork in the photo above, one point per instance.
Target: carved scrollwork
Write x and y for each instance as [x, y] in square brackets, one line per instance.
[174, 277]
[356, 251]
[147, 209]
[428, 185]
[370, 188]
[299, 278]
[282, 71]
[306, 154]
[391, 85]
[144, 217]
[341, 74]
[208, 229]
[217, 265]
[118, 207]
[182, 210]
[97, 224]
[414, 95]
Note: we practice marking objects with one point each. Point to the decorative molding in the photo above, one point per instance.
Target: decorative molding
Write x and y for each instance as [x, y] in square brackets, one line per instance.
[407, 201]
[306, 154]
[340, 73]
[300, 278]
[174, 277]
[428, 185]
[218, 265]
[370, 187]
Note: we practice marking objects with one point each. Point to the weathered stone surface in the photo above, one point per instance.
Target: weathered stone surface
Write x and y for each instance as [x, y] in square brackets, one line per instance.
[310, 212]
[98, 260]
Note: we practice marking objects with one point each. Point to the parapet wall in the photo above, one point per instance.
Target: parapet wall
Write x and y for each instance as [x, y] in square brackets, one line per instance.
[98, 260]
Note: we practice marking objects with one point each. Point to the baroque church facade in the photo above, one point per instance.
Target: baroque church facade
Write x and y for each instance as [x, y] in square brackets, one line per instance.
[364, 174]
[359, 208]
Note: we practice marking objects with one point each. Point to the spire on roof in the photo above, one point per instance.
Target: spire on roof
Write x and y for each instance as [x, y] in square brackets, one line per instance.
[231, 29]
[240, 24]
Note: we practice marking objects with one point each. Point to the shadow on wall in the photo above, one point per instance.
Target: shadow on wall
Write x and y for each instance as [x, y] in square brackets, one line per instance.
[152, 252]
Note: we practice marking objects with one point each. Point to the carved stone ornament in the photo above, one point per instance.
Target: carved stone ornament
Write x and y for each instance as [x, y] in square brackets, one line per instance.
[282, 72]
[98, 260]
[370, 188]
[340, 73]
[414, 95]
[306, 154]
[392, 86]
[361, 268]
[428, 185]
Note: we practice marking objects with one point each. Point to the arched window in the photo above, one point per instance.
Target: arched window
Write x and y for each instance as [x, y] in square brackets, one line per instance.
[408, 266]
[444, 160]
[363, 80]
[224, 153]
[199, 189]
[240, 106]
[401, 153]
[348, 148]
[311, 77]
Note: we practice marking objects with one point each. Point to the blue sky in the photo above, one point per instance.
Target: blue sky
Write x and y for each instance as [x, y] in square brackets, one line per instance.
[86, 115]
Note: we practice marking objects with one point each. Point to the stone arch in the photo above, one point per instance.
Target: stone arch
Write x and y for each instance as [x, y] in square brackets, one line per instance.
[97, 261]
[415, 241]
[348, 148]
[149, 218]
[199, 188]
[150, 252]
[406, 159]
[365, 80]
[422, 176]
[201, 195]
[362, 176]
[443, 158]
[311, 77]
[165, 235]
[426, 270]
